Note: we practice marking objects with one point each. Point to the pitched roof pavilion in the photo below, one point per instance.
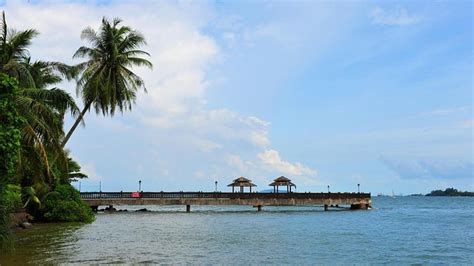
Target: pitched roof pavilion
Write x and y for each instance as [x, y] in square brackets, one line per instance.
[242, 182]
[282, 181]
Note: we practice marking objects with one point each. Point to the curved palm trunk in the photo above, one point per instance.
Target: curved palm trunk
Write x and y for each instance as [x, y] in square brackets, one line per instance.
[76, 123]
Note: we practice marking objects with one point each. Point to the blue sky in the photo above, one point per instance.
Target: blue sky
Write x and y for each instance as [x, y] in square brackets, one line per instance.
[324, 92]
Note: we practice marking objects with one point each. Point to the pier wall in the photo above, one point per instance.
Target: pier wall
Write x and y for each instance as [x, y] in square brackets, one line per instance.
[355, 200]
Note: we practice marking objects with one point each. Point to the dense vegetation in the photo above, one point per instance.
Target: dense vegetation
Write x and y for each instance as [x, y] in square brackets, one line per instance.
[450, 192]
[36, 170]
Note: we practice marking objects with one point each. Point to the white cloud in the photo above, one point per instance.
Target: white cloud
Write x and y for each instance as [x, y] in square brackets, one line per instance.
[173, 116]
[91, 171]
[396, 17]
[259, 138]
[236, 161]
[207, 145]
[272, 159]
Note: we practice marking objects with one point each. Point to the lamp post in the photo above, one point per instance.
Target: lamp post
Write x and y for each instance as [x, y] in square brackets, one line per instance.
[139, 185]
[100, 186]
[328, 189]
[358, 188]
[79, 186]
[216, 185]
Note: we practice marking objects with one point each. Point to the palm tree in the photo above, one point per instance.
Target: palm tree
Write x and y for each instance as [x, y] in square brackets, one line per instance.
[73, 172]
[14, 47]
[106, 80]
[42, 109]
[42, 132]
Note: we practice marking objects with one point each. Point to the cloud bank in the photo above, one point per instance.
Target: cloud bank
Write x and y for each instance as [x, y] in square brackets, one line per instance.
[179, 134]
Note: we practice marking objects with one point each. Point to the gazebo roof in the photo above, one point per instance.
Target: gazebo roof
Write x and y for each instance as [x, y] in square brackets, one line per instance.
[282, 184]
[242, 179]
[282, 181]
[242, 182]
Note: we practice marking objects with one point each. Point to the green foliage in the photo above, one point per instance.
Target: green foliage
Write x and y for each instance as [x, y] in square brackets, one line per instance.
[29, 196]
[450, 192]
[42, 109]
[106, 80]
[10, 125]
[12, 197]
[4, 218]
[10, 135]
[74, 172]
[65, 205]
[31, 131]
[32, 139]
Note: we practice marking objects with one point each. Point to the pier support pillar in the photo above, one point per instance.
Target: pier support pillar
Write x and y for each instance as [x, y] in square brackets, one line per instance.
[259, 208]
[326, 207]
[188, 208]
[95, 208]
[360, 206]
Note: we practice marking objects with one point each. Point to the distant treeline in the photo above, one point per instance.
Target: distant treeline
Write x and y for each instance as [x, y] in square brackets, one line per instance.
[450, 192]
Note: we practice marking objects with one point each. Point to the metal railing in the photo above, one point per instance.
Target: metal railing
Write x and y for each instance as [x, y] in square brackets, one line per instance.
[220, 195]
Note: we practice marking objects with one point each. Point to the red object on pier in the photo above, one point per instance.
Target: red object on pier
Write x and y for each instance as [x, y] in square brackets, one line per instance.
[135, 194]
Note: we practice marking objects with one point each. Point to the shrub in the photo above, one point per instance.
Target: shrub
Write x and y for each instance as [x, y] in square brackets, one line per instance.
[4, 221]
[64, 204]
[12, 198]
[10, 125]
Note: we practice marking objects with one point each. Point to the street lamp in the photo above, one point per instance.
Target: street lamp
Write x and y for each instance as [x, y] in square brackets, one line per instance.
[328, 189]
[216, 185]
[139, 185]
[358, 188]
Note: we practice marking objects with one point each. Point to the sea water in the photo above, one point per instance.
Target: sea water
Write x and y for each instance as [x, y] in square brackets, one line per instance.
[400, 230]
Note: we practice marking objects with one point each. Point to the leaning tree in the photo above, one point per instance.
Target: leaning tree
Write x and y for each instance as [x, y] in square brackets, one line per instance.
[106, 80]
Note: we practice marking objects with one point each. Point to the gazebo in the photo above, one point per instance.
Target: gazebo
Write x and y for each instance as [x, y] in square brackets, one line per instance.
[282, 181]
[242, 182]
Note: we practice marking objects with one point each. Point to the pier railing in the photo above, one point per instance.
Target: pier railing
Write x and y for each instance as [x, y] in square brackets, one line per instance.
[220, 195]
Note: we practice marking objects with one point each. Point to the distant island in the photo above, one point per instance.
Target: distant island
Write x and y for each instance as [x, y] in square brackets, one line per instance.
[450, 192]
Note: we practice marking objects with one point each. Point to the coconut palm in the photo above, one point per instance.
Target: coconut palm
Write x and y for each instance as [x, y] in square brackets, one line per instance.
[74, 171]
[42, 109]
[42, 132]
[15, 60]
[13, 48]
[106, 80]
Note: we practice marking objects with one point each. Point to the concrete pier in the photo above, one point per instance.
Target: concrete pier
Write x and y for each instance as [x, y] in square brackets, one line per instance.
[356, 201]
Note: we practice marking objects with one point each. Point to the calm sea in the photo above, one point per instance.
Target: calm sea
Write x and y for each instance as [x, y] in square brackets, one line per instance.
[401, 230]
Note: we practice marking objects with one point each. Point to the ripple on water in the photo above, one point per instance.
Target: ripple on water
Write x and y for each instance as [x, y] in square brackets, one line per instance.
[403, 230]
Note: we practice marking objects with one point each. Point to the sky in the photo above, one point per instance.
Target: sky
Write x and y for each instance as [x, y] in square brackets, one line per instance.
[338, 93]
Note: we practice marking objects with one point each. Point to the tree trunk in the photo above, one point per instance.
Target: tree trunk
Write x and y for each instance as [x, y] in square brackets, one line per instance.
[78, 120]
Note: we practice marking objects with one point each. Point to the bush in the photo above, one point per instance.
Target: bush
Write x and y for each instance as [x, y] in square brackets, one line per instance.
[10, 128]
[12, 198]
[5, 236]
[64, 204]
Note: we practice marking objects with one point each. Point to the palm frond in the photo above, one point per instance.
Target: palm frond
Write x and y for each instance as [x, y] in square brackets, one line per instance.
[19, 42]
[105, 78]
[56, 98]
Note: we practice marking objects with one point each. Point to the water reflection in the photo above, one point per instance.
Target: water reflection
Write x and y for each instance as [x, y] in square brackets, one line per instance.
[42, 243]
